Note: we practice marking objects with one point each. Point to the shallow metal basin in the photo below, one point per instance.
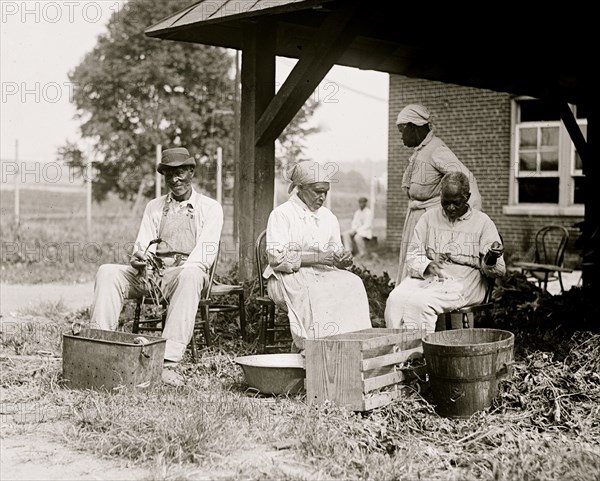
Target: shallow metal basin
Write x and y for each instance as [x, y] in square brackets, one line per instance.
[274, 373]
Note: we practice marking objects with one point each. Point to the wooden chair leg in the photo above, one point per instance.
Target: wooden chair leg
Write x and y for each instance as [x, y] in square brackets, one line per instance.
[562, 287]
[262, 329]
[465, 320]
[242, 316]
[448, 320]
[193, 347]
[135, 329]
[271, 326]
[206, 316]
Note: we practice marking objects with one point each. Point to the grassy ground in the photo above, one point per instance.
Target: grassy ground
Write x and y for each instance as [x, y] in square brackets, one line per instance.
[543, 425]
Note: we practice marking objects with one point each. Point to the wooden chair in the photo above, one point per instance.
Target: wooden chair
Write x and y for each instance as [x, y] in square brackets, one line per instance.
[550, 246]
[268, 330]
[155, 323]
[468, 312]
[221, 290]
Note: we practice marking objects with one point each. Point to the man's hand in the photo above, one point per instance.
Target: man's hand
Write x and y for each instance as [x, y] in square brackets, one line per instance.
[495, 252]
[138, 261]
[434, 269]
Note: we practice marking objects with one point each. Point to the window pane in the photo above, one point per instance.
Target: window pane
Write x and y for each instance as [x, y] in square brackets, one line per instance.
[549, 136]
[527, 161]
[549, 161]
[538, 190]
[534, 110]
[578, 163]
[528, 138]
[579, 186]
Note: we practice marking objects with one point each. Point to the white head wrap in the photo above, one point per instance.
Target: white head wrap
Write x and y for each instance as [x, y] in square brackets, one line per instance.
[308, 172]
[415, 114]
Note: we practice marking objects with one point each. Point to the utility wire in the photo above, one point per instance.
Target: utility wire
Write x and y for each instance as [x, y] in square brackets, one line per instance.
[342, 85]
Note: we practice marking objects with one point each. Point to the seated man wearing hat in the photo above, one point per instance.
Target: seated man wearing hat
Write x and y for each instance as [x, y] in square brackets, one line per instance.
[188, 225]
[306, 272]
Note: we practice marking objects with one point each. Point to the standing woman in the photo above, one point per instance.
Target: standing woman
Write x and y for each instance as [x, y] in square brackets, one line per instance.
[430, 161]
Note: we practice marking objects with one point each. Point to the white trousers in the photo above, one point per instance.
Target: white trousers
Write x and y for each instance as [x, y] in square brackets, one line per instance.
[182, 287]
[416, 303]
[354, 243]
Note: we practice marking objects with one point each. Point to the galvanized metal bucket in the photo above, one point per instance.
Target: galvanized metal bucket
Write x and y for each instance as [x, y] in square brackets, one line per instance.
[110, 360]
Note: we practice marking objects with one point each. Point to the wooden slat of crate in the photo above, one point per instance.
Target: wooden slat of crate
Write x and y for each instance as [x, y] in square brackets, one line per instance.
[390, 359]
[374, 383]
[402, 339]
[378, 400]
[331, 372]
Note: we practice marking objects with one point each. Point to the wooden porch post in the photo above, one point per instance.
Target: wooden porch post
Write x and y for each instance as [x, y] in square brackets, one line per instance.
[588, 152]
[591, 239]
[257, 162]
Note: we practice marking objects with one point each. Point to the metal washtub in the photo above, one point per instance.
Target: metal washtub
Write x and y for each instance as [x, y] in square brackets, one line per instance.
[110, 360]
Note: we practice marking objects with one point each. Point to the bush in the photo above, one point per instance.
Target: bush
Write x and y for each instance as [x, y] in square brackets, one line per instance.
[539, 320]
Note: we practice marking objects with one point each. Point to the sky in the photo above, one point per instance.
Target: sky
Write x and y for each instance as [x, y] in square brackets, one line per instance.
[41, 41]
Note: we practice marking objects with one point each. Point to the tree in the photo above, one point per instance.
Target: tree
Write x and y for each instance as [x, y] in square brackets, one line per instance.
[133, 92]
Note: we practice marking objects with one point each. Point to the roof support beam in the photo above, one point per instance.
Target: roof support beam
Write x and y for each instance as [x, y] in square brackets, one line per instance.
[257, 171]
[566, 114]
[588, 151]
[331, 40]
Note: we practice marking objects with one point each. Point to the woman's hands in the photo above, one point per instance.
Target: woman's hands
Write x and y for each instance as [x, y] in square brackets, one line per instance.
[333, 258]
[342, 259]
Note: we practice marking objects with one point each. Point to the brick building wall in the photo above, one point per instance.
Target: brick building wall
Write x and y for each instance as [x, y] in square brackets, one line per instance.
[476, 125]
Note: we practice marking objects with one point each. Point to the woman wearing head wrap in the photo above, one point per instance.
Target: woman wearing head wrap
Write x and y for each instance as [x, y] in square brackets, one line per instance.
[306, 275]
[430, 161]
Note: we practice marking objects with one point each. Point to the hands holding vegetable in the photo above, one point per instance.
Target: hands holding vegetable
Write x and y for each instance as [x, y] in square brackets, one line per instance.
[495, 252]
[139, 261]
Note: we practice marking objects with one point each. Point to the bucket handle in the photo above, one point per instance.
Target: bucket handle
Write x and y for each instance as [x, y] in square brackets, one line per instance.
[145, 351]
[505, 368]
[76, 328]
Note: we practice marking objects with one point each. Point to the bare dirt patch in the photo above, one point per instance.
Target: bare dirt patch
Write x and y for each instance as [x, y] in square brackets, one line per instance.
[37, 456]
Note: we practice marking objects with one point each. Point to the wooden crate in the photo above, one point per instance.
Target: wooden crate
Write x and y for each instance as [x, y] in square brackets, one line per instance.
[359, 370]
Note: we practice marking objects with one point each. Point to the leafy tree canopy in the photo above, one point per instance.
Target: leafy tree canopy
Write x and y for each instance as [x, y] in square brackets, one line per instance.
[133, 92]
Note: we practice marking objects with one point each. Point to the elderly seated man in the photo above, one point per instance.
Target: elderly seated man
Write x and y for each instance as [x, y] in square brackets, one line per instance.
[184, 228]
[453, 247]
[306, 272]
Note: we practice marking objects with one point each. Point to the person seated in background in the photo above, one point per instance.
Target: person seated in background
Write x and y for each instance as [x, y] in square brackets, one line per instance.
[361, 230]
[306, 274]
[453, 247]
[185, 227]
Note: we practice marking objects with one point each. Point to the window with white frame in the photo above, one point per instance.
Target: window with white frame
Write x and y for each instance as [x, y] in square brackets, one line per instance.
[547, 170]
